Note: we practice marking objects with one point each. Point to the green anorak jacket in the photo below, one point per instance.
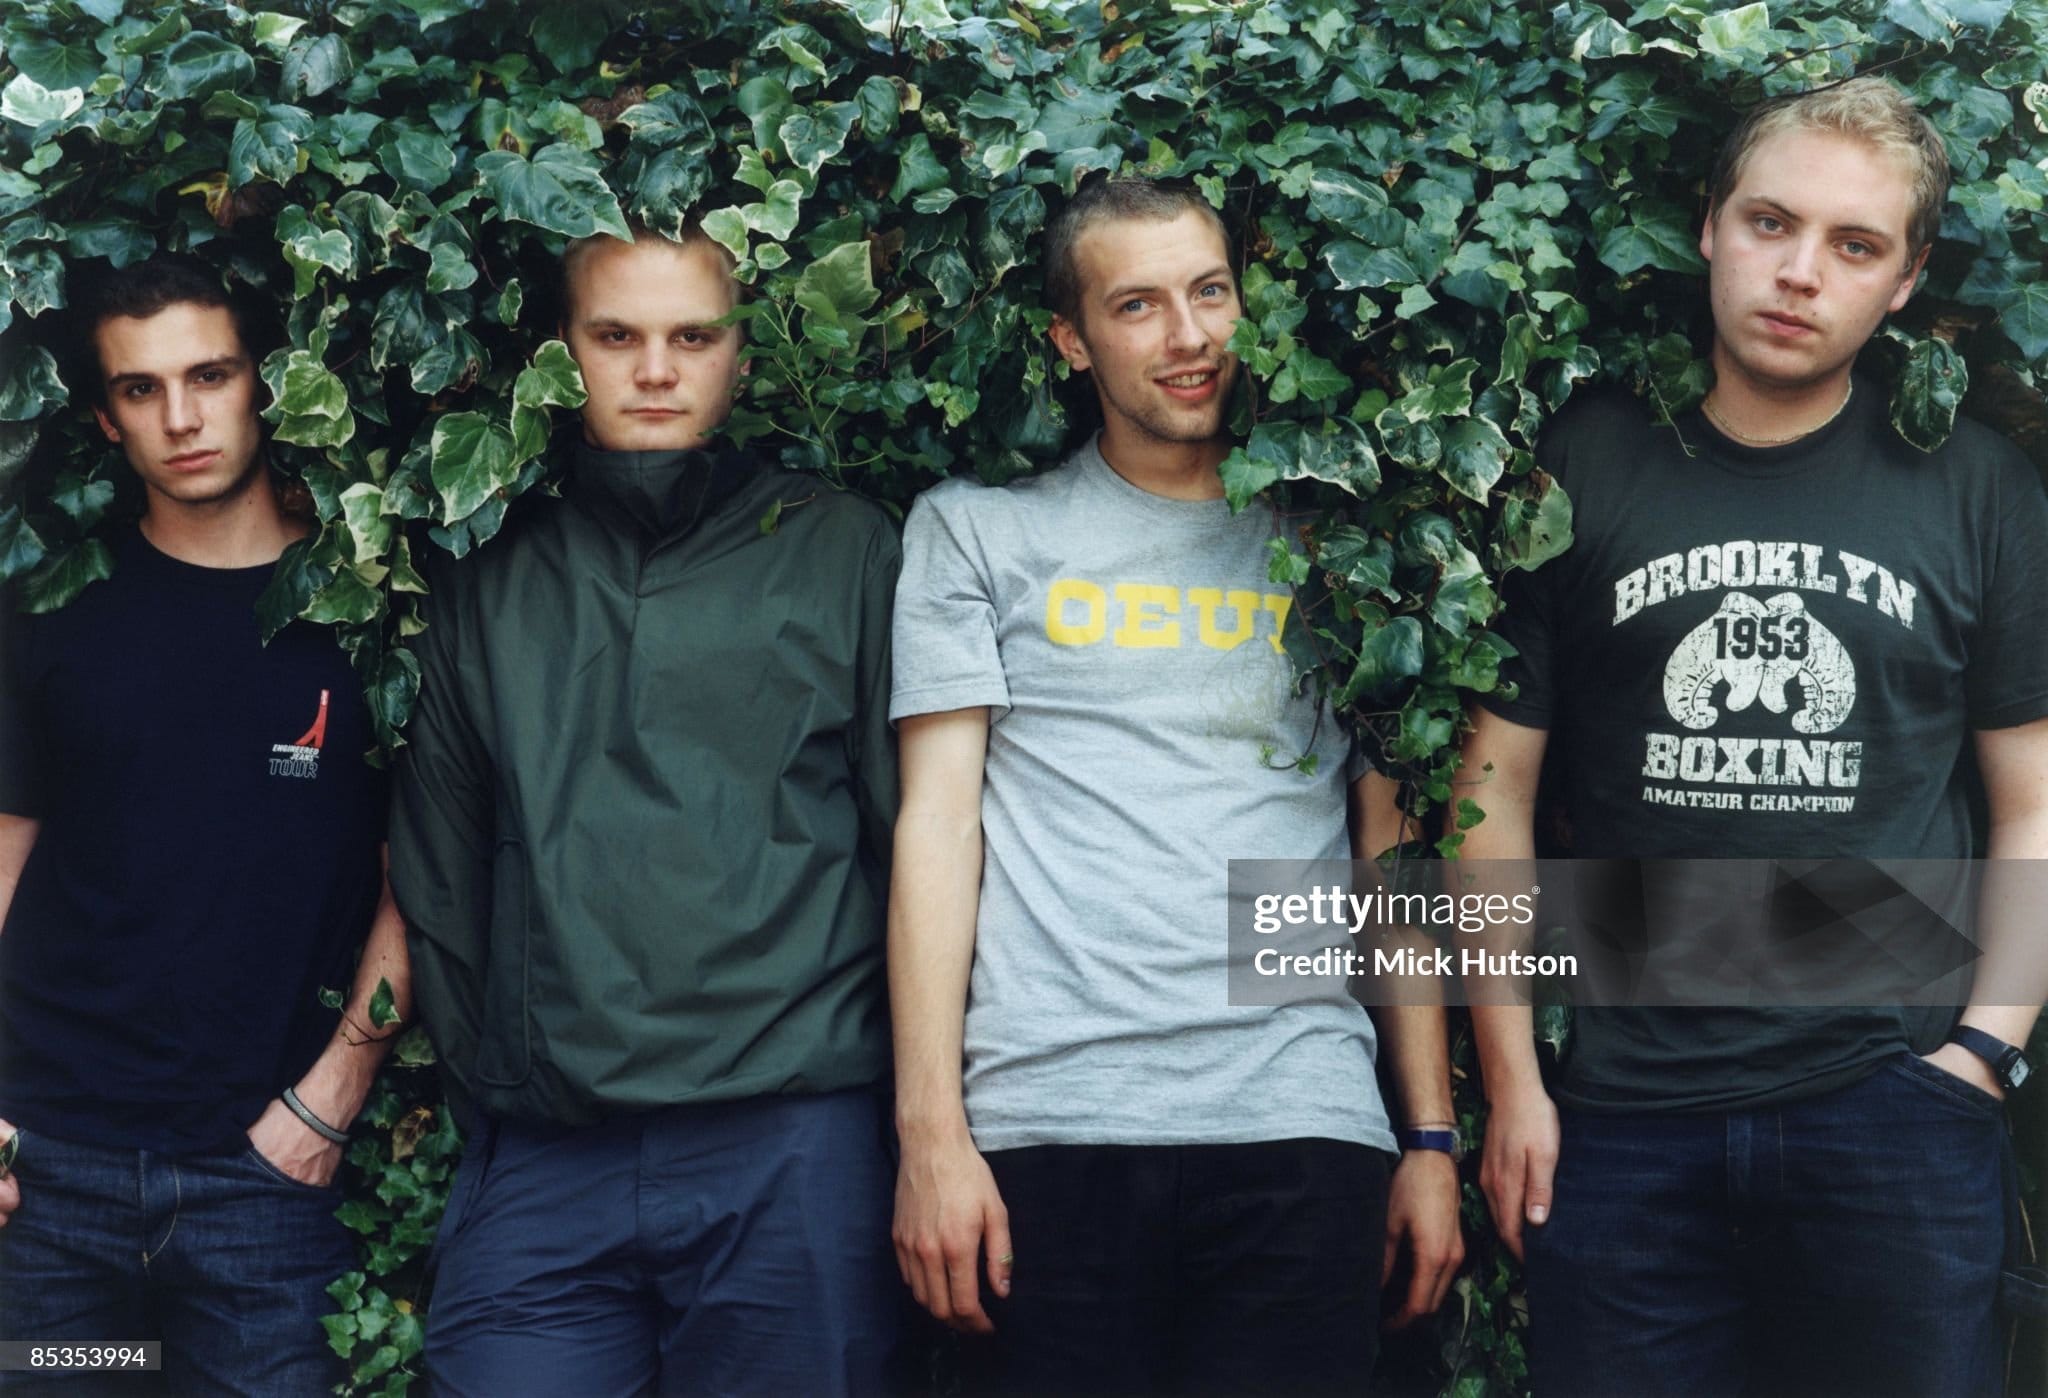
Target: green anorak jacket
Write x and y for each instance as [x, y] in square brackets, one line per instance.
[642, 827]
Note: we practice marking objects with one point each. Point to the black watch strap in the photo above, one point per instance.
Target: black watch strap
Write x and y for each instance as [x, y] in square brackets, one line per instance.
[1419, 1138]
[2007, 1062]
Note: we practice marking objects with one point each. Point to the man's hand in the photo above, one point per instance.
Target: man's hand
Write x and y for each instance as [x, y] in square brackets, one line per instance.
[294, 1148]
[10, 1187]
[1422, 1210]
[947, 1212]
[1960, 1062]
[1520, 1158]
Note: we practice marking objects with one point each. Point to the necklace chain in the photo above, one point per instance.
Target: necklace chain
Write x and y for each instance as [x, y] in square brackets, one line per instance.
[1707, 405]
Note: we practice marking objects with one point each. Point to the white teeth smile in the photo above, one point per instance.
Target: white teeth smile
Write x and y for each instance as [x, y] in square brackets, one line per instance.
[1188, 380]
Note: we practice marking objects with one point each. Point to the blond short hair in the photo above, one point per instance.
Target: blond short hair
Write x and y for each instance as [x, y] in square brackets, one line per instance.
[1871, 110]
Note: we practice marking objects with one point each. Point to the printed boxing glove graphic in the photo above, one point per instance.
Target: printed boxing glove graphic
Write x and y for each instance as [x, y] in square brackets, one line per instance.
[1760, 649]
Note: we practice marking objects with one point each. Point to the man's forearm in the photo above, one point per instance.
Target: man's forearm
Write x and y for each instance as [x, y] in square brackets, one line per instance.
[934, 896]
[338, 1083]
[1420, 1050]
[2012, 975]
[17, 838]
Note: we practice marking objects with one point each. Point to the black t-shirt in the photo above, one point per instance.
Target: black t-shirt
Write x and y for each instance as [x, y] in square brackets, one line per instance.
[207, 860]
[1769, 653]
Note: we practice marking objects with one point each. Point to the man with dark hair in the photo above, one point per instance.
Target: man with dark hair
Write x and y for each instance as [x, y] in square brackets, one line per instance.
[1781, 632]
[189, 860]
[641, 837]
[1166, 1192]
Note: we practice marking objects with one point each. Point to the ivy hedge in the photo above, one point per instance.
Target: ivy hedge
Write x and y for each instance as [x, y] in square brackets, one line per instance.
[1451, 213]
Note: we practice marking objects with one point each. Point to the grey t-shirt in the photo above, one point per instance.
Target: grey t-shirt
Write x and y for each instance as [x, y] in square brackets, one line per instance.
[1141, 723]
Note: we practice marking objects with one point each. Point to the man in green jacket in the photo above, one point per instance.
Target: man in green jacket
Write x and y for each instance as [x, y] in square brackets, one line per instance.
[640, 838]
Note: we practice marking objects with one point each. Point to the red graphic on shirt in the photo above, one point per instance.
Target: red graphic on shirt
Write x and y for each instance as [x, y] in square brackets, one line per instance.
[316, 735]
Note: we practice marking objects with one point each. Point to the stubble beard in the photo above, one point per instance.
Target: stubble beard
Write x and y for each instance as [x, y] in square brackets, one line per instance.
[1158, 422]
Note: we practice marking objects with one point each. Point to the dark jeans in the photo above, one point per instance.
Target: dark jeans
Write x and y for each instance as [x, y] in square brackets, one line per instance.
[733, 1248]
[1849, 1243]
[221, 1257]
[1224, 1269]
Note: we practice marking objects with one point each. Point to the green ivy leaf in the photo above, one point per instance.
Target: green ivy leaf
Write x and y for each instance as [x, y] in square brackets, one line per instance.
[814, 135]
[314, 66]
[1662, 241]
[383, 1005]
[1364, 561]
[562, 189]
[1536, 531]
[80, 500]
[28, 103]
[267, 147]
[671, 121]
[472, 460]
[918, 169]
[878, 107]
[201, 64]
[275, 31]
[1930, 390]
[30, 386]
[2024, 320]
[569, 36]
[369, 528]
[1734, 35]
[838, 285]
[1475, 453]
[450, 269]
[416, 159]
[53, 64]
[60, 577]
[21, 548]
[552, 380]
[310, 404]
[1343, 200]
[1388, 656]
[1355, 265]
[346, 599]
[309, 248]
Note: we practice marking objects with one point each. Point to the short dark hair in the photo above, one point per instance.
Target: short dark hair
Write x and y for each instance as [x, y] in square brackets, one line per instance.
[1101, 199]
[1873, 111]
[153, 285]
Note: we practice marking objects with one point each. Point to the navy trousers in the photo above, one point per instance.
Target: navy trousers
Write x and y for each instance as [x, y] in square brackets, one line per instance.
[1846, 1244]
[736, 1248]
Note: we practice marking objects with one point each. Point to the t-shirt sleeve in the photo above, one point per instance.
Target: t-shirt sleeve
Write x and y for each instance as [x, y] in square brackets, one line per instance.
[2007, 675]
[946, 655]
[20, 777]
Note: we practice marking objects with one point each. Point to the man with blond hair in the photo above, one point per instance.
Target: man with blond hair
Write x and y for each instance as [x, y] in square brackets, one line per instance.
[641, 838]
[1730, 1199]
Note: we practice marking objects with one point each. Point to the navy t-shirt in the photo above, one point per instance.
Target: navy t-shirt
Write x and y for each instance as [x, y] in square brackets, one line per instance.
[207, 860]
[1765, 653]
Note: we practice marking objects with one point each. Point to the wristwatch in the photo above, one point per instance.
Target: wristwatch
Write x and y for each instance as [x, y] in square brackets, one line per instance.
[1419, 1138]
[2007, 1062]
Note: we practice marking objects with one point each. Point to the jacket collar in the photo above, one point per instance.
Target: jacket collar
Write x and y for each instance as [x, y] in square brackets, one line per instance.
[663, 494]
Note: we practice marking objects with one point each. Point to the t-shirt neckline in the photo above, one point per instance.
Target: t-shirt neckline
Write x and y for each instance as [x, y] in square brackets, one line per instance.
[1185, 514]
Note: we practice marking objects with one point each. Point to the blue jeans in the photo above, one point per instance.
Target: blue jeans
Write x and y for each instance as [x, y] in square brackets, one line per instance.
[221, 1257]
[1850, 1243]
[731, 1248]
